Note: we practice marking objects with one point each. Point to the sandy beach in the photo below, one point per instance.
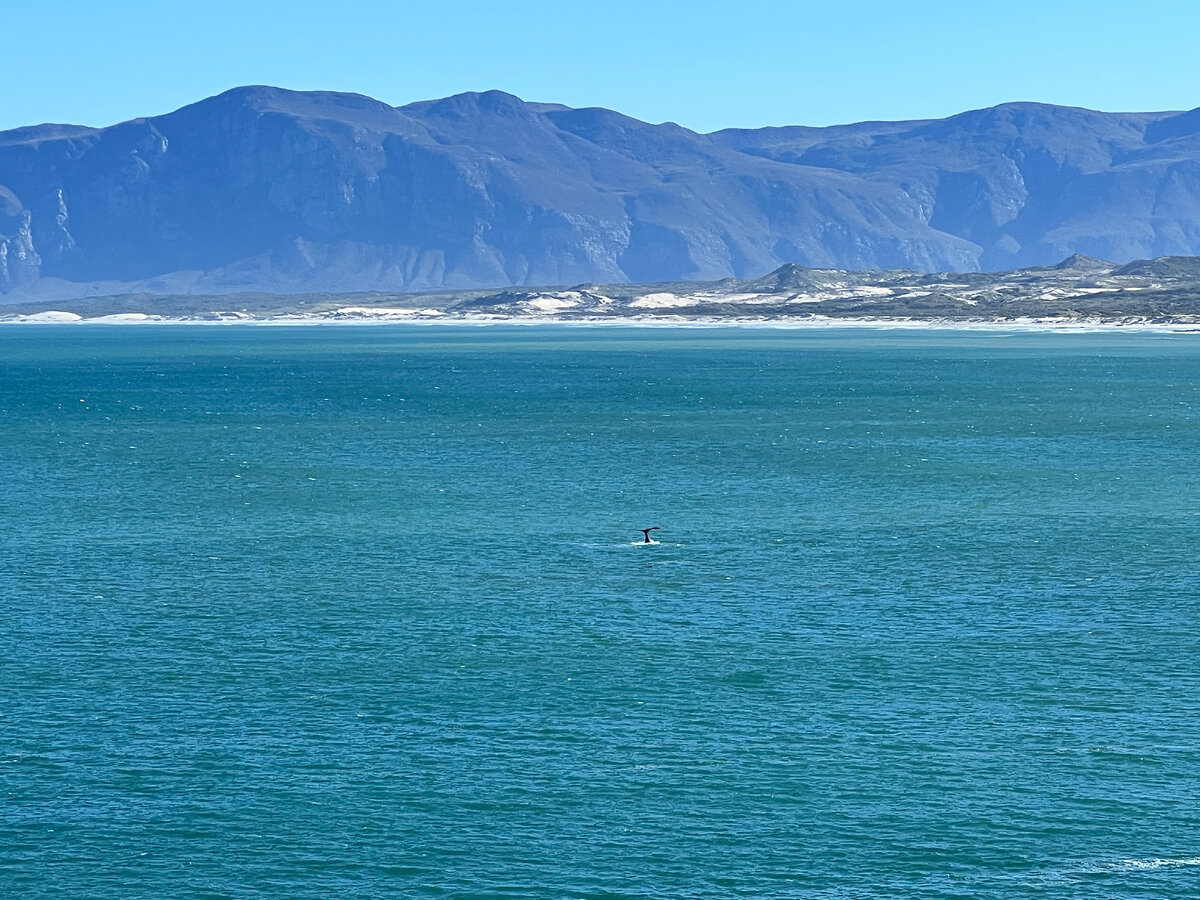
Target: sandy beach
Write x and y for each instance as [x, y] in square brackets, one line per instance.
[363, 316]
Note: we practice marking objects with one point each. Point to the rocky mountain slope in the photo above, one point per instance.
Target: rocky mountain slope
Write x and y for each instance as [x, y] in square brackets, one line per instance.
[271, 190]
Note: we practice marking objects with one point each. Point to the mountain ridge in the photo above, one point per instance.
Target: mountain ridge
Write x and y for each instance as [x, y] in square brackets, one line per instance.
[263, 188]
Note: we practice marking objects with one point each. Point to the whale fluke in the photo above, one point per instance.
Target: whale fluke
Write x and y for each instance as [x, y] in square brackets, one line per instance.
[646, 532]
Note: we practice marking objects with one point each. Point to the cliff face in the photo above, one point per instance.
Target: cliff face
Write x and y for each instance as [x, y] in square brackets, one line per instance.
[19, 261]
[1026, 183]
[266, 189]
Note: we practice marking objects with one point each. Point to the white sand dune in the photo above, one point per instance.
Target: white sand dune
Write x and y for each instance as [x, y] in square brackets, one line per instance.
[662, 300]
[49, 316]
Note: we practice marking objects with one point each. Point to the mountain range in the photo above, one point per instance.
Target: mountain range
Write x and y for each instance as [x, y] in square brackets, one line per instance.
[265, 189]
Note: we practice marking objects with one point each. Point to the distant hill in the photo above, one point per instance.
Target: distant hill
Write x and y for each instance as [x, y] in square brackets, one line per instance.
[263, 189]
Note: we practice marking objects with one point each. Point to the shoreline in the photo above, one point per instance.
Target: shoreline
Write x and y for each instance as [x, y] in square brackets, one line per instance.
[360, 317]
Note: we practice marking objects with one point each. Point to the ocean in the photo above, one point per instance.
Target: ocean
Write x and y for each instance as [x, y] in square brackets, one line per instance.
[306, 612]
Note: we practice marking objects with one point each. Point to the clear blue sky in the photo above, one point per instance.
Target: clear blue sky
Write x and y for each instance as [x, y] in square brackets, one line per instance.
[704, 64]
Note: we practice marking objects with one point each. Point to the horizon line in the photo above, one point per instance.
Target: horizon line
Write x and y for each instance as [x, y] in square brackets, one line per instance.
[527, 102]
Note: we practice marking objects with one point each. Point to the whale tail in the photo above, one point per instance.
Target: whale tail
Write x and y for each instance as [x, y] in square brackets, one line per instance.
[646, 532]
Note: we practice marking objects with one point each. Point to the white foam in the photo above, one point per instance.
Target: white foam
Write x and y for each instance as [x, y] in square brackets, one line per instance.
[350, 315]
[1182, 862]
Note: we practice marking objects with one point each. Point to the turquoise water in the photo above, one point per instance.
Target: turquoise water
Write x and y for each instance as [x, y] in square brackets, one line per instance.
[358, 612]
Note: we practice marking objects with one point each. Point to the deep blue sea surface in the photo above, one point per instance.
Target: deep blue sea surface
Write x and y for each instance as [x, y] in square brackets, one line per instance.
[359, 612]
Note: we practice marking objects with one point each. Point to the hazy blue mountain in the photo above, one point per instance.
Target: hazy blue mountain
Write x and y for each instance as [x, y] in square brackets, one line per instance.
[265, 189]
